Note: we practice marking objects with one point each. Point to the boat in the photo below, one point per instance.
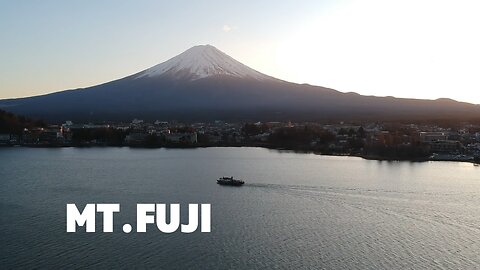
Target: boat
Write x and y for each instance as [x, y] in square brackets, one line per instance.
[230, 181]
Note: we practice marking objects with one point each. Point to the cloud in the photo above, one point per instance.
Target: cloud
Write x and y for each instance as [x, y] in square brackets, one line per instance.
[227, 28]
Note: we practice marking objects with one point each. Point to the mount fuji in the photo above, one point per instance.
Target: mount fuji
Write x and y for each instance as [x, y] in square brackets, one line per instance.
[201, 62]
[204, 83]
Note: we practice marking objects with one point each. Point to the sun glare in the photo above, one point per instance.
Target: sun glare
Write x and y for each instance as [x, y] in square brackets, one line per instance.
[422, 49]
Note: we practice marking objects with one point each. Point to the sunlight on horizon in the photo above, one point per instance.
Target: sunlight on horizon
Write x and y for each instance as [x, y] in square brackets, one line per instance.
[394, 52]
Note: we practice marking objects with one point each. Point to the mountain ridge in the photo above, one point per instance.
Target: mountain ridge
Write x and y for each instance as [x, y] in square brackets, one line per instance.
[204, 83]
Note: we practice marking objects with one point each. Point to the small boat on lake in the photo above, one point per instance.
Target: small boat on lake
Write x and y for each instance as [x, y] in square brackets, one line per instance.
[230, 181]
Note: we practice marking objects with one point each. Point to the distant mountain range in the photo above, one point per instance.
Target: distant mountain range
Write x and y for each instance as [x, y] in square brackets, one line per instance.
[204, 83]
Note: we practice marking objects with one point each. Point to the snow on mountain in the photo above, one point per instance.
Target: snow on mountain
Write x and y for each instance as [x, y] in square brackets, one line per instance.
[200, 62]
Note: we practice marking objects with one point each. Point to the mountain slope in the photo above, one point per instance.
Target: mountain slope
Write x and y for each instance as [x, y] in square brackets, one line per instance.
[203, 83]
[201, 62]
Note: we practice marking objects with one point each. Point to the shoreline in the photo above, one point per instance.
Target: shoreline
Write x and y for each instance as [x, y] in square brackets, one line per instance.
[296, 150]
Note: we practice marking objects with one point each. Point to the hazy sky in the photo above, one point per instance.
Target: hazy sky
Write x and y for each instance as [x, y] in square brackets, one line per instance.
[405, 48]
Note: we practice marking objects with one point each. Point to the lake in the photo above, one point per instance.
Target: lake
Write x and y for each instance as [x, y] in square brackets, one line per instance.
[296, 210]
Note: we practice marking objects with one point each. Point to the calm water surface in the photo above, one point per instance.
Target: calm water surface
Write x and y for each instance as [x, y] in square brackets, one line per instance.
[297, 211]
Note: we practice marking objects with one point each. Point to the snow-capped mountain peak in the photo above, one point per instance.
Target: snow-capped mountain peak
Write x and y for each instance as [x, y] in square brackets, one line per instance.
[200, 62]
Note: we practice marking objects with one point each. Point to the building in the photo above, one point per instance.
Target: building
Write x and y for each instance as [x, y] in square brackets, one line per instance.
[51, 135]
[5, 139]
[135, 138]
[182, 137]
[446, 146]
[433, 136]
